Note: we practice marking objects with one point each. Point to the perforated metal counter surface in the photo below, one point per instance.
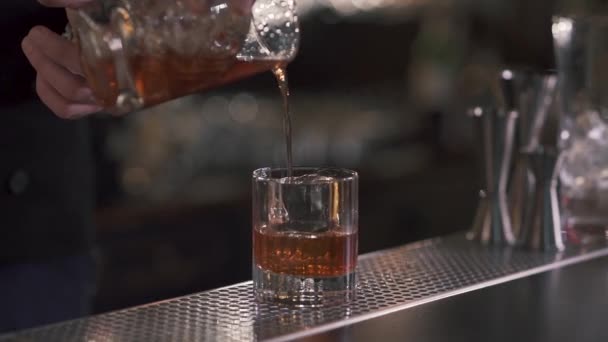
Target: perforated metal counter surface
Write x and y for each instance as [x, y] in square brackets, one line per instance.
[390, 281]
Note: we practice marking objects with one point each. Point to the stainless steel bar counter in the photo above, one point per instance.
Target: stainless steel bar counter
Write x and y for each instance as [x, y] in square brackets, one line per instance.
[440, 289]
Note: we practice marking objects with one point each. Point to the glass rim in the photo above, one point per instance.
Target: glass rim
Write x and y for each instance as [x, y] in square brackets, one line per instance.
[580, 18]
[278, 173]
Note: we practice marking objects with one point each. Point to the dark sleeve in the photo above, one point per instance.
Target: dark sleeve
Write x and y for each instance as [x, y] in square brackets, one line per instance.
[46, 166]
[17, 18]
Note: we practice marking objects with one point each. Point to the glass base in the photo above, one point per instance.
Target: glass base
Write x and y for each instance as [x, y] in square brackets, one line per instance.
[302, 291]
[586, 232]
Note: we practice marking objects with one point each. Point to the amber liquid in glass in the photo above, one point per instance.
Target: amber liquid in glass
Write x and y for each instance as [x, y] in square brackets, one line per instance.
[328, 254]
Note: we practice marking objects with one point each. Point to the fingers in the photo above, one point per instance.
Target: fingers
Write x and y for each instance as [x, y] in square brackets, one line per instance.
[60, 105]
[55, 47]
[64, 3]
[56, 60]
[69, 85]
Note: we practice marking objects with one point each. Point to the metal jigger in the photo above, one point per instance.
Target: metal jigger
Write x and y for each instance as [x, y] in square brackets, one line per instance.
[538, 212]
[543, 228]
[492, 223]
[533, 94]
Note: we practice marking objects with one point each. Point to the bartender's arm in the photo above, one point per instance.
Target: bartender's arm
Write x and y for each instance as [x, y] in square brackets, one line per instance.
[59, 81]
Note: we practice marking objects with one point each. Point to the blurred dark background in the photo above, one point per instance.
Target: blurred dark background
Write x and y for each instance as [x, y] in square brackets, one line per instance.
[379, 86]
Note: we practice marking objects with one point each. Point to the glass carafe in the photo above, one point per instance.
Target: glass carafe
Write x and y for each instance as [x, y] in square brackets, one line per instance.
[581, 48]
[137, 53]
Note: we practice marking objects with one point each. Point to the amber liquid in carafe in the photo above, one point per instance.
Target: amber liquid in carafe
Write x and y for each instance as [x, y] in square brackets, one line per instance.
[162, 78]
